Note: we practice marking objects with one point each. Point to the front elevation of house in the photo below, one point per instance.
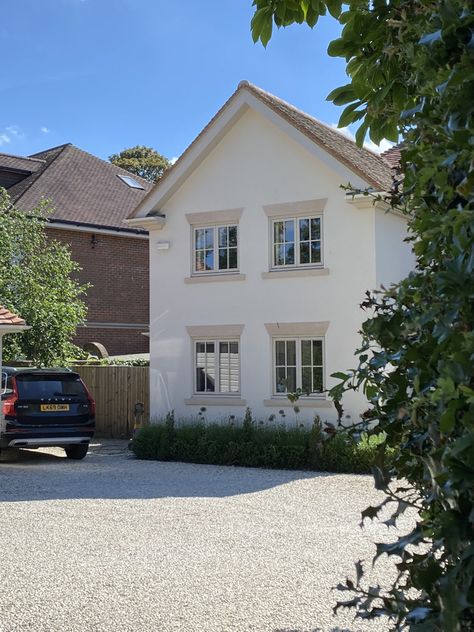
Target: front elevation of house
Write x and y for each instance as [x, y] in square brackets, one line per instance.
[259, 261]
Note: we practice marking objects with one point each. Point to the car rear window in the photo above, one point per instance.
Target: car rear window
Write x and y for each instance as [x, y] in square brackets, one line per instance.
[46, 386]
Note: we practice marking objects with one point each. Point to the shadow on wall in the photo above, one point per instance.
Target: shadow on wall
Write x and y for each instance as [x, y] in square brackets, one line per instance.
[112, 473]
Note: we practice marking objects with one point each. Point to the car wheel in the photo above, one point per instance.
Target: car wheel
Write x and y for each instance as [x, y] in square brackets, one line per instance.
[77, 452]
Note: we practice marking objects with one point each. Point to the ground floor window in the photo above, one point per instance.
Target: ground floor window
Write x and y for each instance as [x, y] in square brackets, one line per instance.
[217, 366]
[298, 363]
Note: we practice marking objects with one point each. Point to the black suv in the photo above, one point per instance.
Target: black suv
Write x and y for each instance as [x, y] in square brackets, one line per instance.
[46, 407]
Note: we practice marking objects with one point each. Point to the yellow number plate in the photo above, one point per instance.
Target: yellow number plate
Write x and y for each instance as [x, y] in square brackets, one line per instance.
[47, 408]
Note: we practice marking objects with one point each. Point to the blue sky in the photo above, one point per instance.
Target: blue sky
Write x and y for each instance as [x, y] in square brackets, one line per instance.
[110, 74]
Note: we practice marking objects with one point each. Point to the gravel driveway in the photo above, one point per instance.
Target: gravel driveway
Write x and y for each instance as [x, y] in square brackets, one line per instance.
[113, 543]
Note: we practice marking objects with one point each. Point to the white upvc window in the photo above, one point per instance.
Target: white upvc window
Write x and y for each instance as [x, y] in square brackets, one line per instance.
[298, 362]
[217, 366]
[215, 249]
[297, 242]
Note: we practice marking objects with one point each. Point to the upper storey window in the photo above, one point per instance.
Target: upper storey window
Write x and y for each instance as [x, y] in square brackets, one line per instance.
[296, 242]
[215, 249]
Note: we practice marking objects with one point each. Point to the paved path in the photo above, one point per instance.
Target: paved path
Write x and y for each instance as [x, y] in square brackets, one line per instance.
[116, 544]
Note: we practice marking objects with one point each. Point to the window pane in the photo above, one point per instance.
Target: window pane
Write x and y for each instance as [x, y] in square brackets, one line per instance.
[209, 259]
[200, 380]
[279, 255]
[306, 352]
[209, 238]
[223, 261]
[232, 235]
[304, 252]
[291, 352]
[289, 254]
[200, 347]
[222, 236]
[233, 258]
[280, 353]
[291, 380]
[315, 252]
[304, 229]
[278, 232]
[317, 352]
[306, 378]
[224, 347]
[199, 236]
[316, 228]
[281, 380]
[199, 261]
[234, 347]
[289, 230]
[205, 371]
[318, 380]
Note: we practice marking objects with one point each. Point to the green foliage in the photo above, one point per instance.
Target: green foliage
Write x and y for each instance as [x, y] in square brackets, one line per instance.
[142, 161]
[411, 71]
[37, 282]
[255, 445]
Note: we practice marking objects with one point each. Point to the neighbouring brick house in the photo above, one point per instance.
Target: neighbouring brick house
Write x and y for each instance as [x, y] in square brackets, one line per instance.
[91, 198]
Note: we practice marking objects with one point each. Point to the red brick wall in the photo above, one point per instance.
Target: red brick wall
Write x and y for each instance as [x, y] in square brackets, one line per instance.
[117, 268]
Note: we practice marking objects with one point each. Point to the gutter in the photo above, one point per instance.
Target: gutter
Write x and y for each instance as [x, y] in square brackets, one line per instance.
[65, 224]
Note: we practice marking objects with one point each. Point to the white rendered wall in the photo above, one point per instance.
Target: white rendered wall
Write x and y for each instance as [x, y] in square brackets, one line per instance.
[394, 258]
[256, 164]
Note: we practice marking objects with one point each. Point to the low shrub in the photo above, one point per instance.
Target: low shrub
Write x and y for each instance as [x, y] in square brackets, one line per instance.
[256, 445]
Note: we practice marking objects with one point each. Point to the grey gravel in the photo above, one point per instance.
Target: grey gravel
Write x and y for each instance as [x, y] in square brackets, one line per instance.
[113, 543]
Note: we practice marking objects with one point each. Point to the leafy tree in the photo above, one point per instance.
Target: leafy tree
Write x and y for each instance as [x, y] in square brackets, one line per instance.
[410, 65]
[142, 161]
[36, 281]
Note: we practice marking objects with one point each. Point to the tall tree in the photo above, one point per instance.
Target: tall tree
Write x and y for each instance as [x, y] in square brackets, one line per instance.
[411, 70]
[36, 281]
[142, 161]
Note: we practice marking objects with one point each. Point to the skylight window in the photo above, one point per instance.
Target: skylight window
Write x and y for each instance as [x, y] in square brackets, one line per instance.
[131, 182]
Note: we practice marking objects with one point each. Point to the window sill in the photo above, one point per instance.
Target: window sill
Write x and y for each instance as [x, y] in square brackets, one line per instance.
[283, 402]
[296, 272]
[213, 278]
[215, 401]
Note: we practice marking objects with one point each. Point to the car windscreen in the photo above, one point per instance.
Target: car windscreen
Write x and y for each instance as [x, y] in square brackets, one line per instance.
[47, 386]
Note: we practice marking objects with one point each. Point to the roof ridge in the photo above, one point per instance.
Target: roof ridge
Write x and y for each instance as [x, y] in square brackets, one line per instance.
[36, 176]
[44, 151]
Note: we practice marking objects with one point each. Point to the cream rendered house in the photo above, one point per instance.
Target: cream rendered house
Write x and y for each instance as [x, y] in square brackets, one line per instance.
[259, 261]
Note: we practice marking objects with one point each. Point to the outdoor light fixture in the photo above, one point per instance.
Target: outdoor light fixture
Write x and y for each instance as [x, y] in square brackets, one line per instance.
[94, 241]
[162, 245]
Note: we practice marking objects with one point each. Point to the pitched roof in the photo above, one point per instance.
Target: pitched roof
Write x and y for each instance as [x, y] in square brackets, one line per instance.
[393, 156]
[8, 318]
[81, 187]
[367, 164]
[22, 163]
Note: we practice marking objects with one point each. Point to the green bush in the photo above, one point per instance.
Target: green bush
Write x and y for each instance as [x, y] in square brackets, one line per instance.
[256, 445]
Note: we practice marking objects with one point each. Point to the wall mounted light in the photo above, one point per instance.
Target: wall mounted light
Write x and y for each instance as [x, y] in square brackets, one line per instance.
[162, 245]
[94, 241]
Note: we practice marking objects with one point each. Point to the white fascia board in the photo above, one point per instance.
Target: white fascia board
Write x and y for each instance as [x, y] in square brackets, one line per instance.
[90, 229]
[153, 222]
[362, 201]
[193, 156]
[13, 329]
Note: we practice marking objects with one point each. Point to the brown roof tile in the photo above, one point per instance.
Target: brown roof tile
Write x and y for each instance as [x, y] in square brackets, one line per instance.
[8, 318]
[81, 187]
[393, 156]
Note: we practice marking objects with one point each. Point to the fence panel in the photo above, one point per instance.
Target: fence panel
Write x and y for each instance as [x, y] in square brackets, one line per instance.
[116, 390]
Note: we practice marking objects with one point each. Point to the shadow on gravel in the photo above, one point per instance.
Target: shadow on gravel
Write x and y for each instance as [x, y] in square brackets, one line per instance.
[336, 629]
[110, 472]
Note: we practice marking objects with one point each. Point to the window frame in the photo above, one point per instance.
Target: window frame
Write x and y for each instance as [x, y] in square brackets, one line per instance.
[299, 368]
[217, 342]
[215, 247]
[295, 218]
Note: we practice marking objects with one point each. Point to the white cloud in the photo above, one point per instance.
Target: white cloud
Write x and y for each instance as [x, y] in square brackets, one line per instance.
[4, 139]
[368, 144]
[45, 130]
[15, 130]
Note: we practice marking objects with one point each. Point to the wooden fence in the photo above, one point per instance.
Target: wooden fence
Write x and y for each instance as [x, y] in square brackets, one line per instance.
[116, 390]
